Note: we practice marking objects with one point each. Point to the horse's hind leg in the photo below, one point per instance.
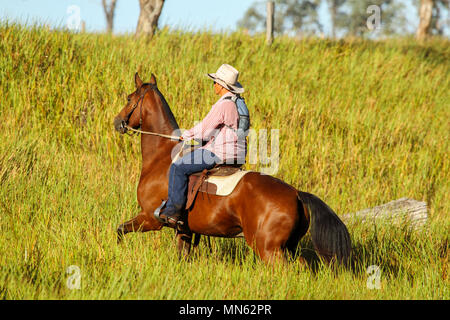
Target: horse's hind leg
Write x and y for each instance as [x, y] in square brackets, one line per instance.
[184, 241]
[274, 256]
[272, 238]
[298, 232]
[197, 237]
[268, 246]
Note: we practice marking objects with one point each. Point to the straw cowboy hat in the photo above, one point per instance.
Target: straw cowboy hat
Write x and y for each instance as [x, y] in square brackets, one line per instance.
[227, 77]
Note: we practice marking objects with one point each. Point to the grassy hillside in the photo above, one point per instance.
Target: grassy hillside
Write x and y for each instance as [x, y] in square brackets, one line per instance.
[361, 123]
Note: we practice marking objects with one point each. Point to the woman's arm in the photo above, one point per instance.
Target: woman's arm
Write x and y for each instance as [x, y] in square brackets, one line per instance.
[206, 128]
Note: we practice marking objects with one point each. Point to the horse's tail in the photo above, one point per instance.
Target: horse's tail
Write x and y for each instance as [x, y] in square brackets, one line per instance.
[329, 235]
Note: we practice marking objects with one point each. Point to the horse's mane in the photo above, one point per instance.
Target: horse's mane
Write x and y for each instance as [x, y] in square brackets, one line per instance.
[165, 106]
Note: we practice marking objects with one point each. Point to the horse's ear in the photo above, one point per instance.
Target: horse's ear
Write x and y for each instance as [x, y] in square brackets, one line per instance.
[137, 81]
[153, 79]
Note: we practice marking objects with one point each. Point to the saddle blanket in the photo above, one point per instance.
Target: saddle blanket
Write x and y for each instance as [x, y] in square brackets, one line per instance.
[213, 183]
[225, 184]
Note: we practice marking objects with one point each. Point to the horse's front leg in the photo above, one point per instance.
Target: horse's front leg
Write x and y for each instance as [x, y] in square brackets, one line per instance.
[142, 222]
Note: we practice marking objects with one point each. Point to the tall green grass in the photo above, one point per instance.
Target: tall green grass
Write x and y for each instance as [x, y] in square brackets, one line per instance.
[361, 123]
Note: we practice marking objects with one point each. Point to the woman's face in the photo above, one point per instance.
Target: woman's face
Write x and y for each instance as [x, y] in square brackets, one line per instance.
[217, 88]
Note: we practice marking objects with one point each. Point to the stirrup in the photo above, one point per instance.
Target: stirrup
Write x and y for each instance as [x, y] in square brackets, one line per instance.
[157, 212]
[179, 222]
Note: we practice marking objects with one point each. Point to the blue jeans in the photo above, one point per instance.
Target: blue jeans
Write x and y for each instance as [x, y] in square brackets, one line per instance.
[179, 173]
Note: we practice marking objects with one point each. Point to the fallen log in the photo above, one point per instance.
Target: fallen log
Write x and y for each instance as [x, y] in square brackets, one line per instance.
[403, 211]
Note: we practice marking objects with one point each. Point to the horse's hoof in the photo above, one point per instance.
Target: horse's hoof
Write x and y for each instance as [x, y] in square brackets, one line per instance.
[120, 234]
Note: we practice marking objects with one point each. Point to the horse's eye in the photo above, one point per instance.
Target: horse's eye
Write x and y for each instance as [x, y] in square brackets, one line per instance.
[128, 99]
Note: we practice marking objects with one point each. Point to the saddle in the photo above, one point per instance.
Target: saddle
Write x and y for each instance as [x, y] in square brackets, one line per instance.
[220, 180]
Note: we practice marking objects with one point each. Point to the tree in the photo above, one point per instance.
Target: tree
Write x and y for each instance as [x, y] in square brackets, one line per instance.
[150, 10]
[425, 15]
[295, 17]
[109, 13]
[437, 22]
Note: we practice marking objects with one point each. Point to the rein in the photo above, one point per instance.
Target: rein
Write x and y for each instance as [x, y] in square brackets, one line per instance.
[153, 133]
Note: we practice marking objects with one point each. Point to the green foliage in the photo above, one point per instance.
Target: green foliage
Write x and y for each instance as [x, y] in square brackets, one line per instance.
[361, 123]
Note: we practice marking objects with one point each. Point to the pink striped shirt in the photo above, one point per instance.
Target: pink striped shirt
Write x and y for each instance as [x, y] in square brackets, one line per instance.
[222, 141]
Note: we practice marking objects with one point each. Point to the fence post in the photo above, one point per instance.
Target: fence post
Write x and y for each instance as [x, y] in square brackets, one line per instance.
[269, 22]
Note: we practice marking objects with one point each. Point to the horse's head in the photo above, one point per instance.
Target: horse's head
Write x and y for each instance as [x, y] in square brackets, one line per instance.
[133, 112]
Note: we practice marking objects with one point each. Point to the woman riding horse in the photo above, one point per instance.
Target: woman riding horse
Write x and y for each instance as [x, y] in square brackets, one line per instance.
[219, 128]
[271, 214]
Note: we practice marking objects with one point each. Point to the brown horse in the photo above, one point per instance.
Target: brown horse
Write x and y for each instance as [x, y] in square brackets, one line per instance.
[272, 215]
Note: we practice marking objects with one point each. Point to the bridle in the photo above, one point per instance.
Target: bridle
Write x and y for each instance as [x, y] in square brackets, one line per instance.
[139, 103]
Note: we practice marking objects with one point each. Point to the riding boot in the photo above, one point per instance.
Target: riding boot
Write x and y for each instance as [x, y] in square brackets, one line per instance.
[171, 216]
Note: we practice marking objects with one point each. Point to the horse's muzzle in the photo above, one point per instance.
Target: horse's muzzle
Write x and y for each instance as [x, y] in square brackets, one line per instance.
[120, 125]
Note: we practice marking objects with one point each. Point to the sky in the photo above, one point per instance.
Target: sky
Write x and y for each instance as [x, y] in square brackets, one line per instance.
[193, 14]
[180, 14]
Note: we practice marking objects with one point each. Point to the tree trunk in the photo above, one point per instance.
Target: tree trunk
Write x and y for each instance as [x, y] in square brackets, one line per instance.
[425, 14]
[109, 13]
[148, 17]
[402, 211]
